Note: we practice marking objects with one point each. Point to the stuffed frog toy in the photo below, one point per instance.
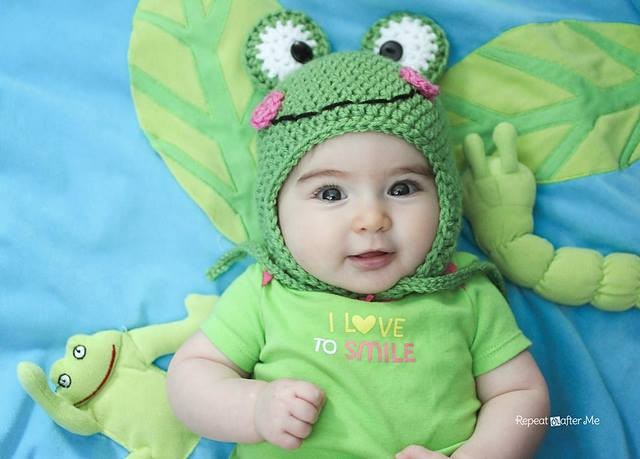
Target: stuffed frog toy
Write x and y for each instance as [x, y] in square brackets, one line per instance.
[499, 194]
[107, 383]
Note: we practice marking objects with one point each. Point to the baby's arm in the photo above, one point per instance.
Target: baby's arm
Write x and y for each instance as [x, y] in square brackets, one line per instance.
[514, 388]
[214, 398]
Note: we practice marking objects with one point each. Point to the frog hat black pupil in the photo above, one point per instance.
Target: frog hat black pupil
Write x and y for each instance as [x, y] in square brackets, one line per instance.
[391, 49]
[301, 52]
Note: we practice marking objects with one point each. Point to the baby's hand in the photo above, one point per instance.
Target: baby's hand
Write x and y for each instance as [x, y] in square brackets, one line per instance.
[419, 452]
[286, 410]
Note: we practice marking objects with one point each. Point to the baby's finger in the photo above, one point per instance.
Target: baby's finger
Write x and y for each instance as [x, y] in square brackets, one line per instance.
[504, 136]
[297, 428]
[413, 452]
[418, 452]
[305, 411]
[288, 441]
[310, 393]
[475, 155]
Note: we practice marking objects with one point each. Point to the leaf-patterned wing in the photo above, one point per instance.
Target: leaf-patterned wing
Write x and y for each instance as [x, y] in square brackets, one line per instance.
[571, 89]
[193, 99]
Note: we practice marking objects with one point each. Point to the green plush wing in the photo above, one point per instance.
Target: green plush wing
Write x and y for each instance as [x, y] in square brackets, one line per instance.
[571, 89]
[194, 99]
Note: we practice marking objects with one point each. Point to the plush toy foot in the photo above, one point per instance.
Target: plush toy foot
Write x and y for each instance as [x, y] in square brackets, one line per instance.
[199, 307]
[157, 340]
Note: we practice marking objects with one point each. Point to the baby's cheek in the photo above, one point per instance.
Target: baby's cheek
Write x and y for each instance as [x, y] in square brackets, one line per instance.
[317, 244]
[419, 234]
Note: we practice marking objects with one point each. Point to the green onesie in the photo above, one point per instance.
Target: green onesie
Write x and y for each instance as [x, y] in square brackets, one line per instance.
[395, 373]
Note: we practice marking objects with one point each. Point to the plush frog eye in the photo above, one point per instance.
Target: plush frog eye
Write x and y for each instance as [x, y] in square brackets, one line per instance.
[281, 43]
[411, 40]
[64, 380]
[79, 352]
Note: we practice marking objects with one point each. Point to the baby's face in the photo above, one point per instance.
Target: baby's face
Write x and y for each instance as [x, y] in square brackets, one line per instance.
[360, 211]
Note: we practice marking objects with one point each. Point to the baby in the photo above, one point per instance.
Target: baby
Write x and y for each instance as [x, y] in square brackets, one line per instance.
[359, 332]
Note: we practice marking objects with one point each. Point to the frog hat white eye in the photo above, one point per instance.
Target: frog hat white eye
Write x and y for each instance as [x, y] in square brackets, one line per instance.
[412, 40]
[281, 43]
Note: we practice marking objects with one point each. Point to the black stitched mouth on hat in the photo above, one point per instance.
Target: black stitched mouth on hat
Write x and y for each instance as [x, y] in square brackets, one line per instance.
[344, 103]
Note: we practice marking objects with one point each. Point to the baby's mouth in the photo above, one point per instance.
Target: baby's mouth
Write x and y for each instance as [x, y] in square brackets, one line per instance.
[372, 253]
[371, 260]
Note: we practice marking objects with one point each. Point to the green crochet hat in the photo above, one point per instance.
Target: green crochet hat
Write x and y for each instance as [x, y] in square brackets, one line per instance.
[325, 95]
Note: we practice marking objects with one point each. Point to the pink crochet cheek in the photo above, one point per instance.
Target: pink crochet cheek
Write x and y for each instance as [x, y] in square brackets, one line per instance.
[420, 83]
[266, 112]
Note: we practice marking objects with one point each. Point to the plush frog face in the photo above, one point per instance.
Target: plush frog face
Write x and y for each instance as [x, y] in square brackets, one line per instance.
[386, 87]
[88, 364]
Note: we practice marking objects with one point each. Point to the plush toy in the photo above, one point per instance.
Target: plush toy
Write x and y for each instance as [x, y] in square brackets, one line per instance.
[499, 195]
[107, 383]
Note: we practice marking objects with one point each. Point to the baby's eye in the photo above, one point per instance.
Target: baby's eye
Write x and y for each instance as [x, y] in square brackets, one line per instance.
[402, 188]
[329, 193]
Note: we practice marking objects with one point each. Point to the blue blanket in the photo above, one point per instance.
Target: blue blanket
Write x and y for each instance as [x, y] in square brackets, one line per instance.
[96, 233]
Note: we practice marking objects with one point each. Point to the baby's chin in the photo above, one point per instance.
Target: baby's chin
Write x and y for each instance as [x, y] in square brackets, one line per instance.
[358, 281]
[366, 283]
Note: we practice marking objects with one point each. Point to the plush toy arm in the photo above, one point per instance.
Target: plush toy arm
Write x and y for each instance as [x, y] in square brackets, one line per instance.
[499, 195]
[157, 340]
[34, 382]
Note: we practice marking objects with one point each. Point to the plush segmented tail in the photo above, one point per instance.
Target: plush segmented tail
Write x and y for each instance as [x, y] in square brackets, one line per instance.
[568, 275]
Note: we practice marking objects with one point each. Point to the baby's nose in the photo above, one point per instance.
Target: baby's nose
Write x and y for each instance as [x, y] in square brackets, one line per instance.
[372, 218]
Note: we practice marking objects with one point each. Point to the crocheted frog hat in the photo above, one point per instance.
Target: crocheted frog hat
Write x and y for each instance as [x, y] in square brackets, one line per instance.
[315, 96]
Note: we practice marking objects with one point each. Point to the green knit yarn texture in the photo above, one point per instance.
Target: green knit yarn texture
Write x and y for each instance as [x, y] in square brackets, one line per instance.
[253, 62]
[359, 78]
[348, 76]
[435, 68]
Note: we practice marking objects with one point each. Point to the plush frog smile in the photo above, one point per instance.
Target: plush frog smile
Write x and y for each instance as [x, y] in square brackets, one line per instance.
[107, 383]
[86, 367]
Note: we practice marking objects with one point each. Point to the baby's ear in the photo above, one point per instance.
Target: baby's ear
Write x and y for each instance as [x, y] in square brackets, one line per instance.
[281, 43]
[412, 40]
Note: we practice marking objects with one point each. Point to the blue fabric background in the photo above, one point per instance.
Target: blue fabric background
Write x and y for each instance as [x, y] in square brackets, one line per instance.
[95, 233]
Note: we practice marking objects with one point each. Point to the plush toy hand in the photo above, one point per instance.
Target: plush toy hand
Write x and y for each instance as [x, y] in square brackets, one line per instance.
[498, 191]
[498, 198]
[419, 452]
[286, 411]
[34, 382]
